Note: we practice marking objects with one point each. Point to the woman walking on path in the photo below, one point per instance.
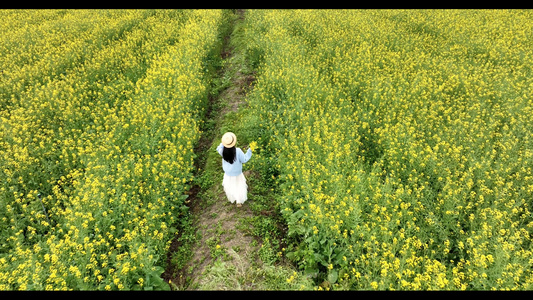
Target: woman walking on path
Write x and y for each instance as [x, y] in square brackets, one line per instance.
[234, 182]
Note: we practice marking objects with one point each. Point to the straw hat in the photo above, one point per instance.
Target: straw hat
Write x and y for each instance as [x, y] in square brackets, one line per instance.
[229, 139]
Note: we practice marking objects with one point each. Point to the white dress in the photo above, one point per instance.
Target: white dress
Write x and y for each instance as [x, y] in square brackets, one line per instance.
[236, 188]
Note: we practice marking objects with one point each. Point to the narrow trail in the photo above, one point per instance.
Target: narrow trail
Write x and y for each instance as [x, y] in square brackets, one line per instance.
[221, 239]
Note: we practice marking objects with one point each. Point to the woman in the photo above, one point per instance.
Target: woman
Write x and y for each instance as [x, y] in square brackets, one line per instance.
[234, 182]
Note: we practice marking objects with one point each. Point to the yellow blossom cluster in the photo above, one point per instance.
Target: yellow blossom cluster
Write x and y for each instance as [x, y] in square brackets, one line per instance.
[402, 141]
[100, 113]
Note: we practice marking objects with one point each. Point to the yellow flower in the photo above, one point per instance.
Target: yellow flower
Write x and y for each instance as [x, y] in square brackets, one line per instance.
[253, 145]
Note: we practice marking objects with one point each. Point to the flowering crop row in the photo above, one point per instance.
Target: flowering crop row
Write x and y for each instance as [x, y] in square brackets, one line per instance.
[100, 112]
[403, 142]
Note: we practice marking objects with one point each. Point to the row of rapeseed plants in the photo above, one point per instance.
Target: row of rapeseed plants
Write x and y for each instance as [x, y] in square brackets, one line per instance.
[401, 141]
[99, 114]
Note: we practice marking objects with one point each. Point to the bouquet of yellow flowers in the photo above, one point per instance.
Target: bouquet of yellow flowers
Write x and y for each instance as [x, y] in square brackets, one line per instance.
[253, 146]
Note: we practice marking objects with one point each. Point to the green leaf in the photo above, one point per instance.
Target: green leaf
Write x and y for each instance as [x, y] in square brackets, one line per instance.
[311, 270]
[154, 280]
[332, 276]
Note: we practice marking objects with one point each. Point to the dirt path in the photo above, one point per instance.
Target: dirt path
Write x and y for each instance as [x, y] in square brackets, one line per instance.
[221, 240]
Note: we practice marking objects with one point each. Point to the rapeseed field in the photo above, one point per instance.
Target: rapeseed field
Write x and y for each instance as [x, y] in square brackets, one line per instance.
[399, 143]
[100, 110]
[402, 143]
